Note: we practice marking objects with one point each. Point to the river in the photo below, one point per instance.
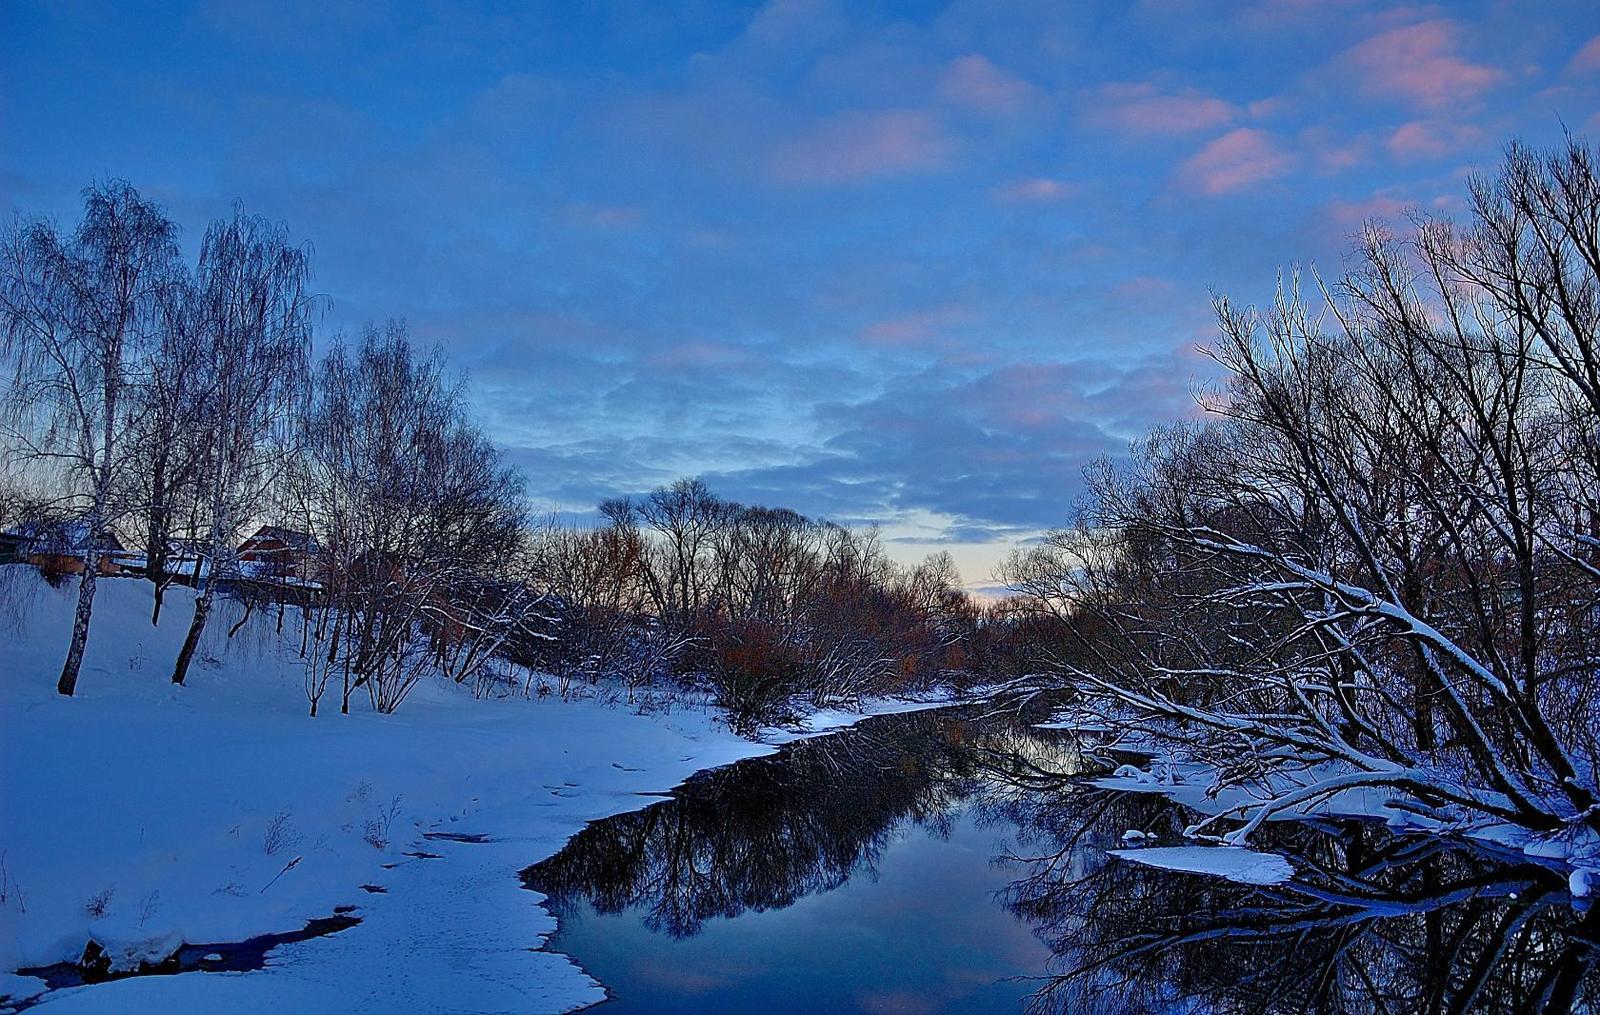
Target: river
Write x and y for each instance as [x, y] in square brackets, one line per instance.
[937, 862]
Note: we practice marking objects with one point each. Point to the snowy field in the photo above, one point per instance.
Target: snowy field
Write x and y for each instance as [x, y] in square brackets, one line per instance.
[142, 815]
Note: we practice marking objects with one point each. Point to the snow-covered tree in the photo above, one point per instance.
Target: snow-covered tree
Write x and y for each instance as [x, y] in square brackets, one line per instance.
[1376, 568]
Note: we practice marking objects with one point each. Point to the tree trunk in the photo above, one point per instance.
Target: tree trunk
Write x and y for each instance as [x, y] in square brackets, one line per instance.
[80, 625]
[202, 604]
[202, 608]
[155, 543]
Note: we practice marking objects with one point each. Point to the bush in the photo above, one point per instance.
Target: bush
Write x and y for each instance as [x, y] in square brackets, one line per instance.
[753, 674]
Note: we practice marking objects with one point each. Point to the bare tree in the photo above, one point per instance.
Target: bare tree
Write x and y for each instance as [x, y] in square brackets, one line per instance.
[686, 517]
[597, 587]
[416, 515]
[1374, 569]
[167, 442]
[255, 316]
[80, 316]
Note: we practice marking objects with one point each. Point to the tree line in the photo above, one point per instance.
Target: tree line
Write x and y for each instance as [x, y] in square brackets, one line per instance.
[1375, 566]
[182, 405]
[763, 604]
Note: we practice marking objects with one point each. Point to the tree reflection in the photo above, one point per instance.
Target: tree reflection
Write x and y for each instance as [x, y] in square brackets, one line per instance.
[1371, 922]
[761, 834]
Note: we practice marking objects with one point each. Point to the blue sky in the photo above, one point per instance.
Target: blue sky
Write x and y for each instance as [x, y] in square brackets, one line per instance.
[908, 263]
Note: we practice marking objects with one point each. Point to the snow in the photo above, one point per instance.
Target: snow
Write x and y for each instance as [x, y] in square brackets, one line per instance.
[831, 720]
[1235, 863]
[139, 813]
[1581, 882]
[1192, 785]
[1135, 774]
[19, 988]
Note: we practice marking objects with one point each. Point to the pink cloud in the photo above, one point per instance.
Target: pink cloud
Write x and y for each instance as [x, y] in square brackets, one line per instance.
[1141, 108]
[1032, 189]
[1262, 109]
[1587, 59]
[1233, 161]
[1348, 216]
[1143, 288]
[860, 145]
[1431, 139]
[1331, 152]
[973, 81]
[1419, 64]
[913, 328]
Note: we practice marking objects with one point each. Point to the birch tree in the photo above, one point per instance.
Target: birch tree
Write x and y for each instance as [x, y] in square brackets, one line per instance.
[255, 315]
[79, 318]
[166, 442]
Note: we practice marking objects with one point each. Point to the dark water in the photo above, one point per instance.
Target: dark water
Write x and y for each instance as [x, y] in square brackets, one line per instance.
[933, 863]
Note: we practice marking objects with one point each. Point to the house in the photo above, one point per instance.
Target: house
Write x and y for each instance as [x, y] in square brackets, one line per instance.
[277, 552]
[59, 548]
[185, 562]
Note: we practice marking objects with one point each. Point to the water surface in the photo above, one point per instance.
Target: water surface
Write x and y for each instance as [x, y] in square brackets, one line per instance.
[932, 863]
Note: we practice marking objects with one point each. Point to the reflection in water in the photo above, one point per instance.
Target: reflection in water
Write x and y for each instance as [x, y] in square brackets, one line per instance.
[763, 833]
[1371, 923]
[917, 842]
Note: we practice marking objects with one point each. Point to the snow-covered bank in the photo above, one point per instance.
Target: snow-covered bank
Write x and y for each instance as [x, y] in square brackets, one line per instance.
[139, 814]
[1575, 850]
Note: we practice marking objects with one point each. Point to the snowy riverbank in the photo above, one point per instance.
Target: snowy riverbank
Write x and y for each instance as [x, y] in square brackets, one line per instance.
[141, 815]
[1574, 850]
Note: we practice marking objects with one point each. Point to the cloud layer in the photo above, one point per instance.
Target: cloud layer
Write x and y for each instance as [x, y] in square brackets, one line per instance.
[913, 266]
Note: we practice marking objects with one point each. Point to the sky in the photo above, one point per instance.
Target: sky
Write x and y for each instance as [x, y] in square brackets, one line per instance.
[912, 264]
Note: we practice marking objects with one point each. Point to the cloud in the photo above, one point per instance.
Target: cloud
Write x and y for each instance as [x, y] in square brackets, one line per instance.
[1348, 216]
[699, 355]
[973, 81]
[1587, 59]
[999, 450]
[914, 328]
[957, 454]
[786, 22]
[1422, 139]
[861, 145]
[1142, 108]
[1032, 189]
[1419, 64]
[1333, 152]
[1234, 161]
